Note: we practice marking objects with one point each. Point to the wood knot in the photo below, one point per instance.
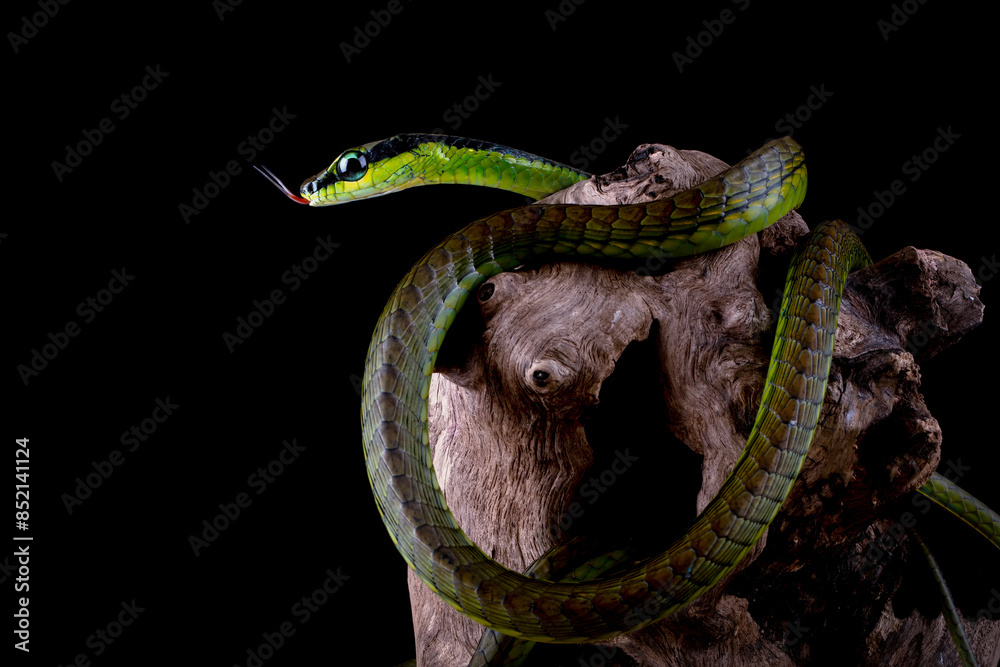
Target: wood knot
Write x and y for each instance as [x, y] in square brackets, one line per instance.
[547, 376]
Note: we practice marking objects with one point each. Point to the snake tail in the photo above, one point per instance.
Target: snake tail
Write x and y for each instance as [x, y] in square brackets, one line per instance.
[975, 514]
[970, 510]
[952, 619]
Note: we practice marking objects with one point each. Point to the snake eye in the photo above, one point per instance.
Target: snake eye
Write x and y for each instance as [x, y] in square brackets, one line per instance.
[351, 165]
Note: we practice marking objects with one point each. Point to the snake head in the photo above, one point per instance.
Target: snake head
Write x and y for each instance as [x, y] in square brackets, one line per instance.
[374, 169]
[346, 179]
[377, 168]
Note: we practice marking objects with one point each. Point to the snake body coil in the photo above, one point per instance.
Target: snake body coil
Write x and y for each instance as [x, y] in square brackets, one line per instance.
[739, 202]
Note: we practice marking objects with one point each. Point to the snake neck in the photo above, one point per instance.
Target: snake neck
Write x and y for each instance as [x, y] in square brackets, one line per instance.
[442, 159]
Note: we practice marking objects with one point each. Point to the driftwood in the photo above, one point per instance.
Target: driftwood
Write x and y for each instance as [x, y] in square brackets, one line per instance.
[582, 399]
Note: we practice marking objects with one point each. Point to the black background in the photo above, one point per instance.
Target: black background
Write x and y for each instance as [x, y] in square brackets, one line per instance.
[887, 96]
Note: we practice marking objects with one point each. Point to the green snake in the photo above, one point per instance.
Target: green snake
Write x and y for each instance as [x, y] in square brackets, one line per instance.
[737, 203]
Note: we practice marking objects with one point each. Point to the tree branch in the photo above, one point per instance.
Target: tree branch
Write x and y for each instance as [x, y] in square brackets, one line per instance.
[563, 405]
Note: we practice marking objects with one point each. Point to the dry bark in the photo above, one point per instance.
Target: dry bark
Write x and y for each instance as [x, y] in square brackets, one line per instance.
[514, 408]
